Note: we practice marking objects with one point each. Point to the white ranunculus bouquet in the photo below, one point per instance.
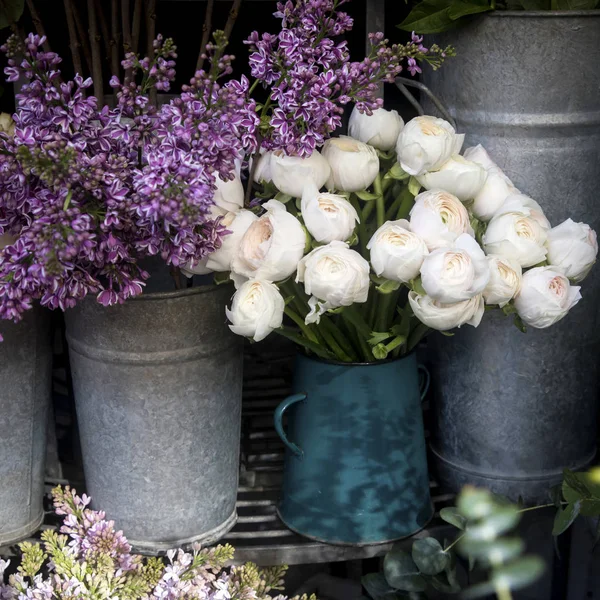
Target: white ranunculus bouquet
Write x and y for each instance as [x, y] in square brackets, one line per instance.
[353, 260]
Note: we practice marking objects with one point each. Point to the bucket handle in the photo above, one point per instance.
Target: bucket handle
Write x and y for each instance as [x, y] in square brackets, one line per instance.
[424, 380]
[297, 451]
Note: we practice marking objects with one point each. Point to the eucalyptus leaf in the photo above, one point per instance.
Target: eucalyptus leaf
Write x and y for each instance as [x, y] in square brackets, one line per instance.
[364, 195]
[451, 515]
[474, 503]
[518, 574]
[429, 556]
[501, 520]
[442, 584]
[565, 517]
[10, 12]
[576, 481]
[590, 508]
[478, 591]
[401, 572]
[435, 16]
[502, 550]
[376, 586]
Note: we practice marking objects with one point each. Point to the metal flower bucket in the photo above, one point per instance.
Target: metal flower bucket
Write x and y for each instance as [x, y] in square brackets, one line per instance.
[355, 466]
[158, 389]
[513, 410]
[25, 391]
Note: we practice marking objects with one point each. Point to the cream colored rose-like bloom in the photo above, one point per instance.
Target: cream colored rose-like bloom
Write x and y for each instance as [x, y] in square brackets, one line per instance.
[438, 218]
[334, 275]
[256, 310]
[291, 174]
[572, 249]
[516, 236]
[505, 280]
[396, 252]
[327, 217]
[380, 130]
[478, 154]
[458, 176]
[546, 297]
[426, 143]
[354, 165]
[229, 195]
[262, 172]
[457, 273]
[237, 224]
[520, 203]
[444, 317]
[271, 247]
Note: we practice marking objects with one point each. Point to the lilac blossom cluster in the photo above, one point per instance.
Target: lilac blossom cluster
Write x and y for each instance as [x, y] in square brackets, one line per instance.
[85, 192]
[90, 559]
[311, 76]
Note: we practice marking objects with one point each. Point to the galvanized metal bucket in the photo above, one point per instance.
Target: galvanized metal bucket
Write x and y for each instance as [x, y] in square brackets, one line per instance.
[158, 389]
[355, 466]
[25, 391]
[512, 409]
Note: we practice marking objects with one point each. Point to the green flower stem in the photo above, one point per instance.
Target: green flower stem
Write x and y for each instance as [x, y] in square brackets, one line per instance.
[387, 184]
[384, 302]
[328, 325]
[395, 343]
[380, 202]
[335, 347]
[301, 324]
[361, 229]
[393, 209]
[290, 334]
[366, 212]
[406, 204]
[354, 318]
[371, 308]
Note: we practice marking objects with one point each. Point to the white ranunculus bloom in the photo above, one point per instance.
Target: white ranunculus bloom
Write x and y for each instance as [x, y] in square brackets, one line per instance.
[478, 154]
[426, 143]
[520, 203]
[446, 316]
[256, 310]
[458, 176]
[380, 130]
[198, 268]
[229, 195]
[457, 273]
[272, 245]
[327, 217]
[291, 173]
[516, 236]
[572, 249]
[262, 173]
[354, 165]
[505, 280]
[396, 252]
[438, 218]
[495, 190]
[237, 224]
[334, 275]
[546, 296]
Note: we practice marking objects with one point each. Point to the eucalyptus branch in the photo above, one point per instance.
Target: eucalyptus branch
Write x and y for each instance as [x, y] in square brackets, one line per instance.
[74, 44]
[206, 29]
[37, 22]
[233, 14]
[96, 60]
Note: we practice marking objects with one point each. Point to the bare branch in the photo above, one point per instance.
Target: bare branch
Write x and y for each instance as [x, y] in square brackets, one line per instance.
[233, 14]
[37, 22]
[206, 31]
[74, 44]
[115, 37]
[151, 34]
[126, 25]
[103, 27]
[96, 59]
[136, 25]
[83, 36]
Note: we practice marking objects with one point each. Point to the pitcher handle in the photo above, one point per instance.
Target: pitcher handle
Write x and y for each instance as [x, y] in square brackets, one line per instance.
[424, 381]
[279, 422]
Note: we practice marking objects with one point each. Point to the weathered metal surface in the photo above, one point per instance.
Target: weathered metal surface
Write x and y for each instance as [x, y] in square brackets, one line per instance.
[25, 386]
[512, 410]
[158, 384]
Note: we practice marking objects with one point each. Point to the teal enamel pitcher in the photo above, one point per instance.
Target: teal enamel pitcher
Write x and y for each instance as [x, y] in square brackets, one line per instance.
[355, 466]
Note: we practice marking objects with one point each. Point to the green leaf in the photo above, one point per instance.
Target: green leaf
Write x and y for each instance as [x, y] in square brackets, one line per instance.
[533, 4]
[413, 186]
[287, 300]
[451, 515]
[379, 337]
[429, 556]
[500, 550]
[364, 195]
[478, 591]
[519, 324]
[590, 508]
[417, 286]
[576, 481]
[376, 586]
[519, 574]
[385, 155]
[565, 517]
[442, 584]
[447, 333]
[283, 198]
[435, 16]
[388, 286]
[401, 572]
[499, 521]
[573, 4]
[396, 172]
[380, 352]
[11, 12]
[475, 503]
[556, 495]
[221, 278]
